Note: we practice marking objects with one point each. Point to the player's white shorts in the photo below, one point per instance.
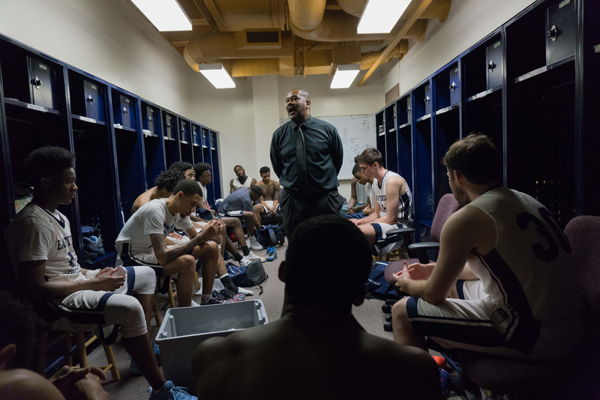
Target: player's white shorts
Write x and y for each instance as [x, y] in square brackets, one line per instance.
[270, 204]
[382, 245]
[479, 323]
[86, 309]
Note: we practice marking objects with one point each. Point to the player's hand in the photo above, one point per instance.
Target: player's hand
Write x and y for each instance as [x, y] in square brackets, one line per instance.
[351, 210]
[175, 236]
[81, 383]
[403, 277]
[419, 271]
[105, 271]
[213, 212]
[209, 231]
[107, 282]
[355, 221]
[273, 212]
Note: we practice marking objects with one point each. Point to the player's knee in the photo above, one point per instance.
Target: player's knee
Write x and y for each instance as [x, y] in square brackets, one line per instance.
[129, 313]
[188, 262]
[212, 248]
[399, 309]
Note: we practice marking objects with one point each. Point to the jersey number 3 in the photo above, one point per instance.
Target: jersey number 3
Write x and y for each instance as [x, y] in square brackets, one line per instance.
[545, 254]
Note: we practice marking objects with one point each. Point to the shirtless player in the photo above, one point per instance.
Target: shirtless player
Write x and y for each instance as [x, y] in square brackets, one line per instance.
[270, 199]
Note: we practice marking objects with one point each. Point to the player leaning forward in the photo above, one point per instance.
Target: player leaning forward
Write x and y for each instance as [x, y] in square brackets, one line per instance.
[142, 241]
[41, 249]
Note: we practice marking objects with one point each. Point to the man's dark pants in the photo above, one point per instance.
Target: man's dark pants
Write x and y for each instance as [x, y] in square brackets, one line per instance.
[297, 208]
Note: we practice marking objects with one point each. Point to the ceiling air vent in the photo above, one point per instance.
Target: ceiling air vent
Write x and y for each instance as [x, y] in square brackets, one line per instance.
[262, 36]
[258, 39]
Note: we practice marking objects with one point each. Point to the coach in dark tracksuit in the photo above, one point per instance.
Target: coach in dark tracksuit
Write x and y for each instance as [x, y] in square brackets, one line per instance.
[306, 154]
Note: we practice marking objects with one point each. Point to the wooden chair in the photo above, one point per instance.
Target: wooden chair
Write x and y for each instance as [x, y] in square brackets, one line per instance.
[80, 351]
[172, 292]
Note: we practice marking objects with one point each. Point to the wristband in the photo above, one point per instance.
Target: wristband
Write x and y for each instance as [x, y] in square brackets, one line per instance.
[91, 274]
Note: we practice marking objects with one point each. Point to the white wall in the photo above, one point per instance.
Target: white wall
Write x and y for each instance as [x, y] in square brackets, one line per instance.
[231, 112]
[107, 38]
[266, 120]
[469, 21]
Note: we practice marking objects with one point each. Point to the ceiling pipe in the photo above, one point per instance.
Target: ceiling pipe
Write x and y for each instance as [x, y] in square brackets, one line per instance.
[368, 59]
[437, 9]
[307, 14]
[263, 66]
[337, 26]
[408, 24]
[211, 46]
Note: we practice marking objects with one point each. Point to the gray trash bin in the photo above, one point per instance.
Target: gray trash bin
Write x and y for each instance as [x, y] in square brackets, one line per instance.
[183, 329]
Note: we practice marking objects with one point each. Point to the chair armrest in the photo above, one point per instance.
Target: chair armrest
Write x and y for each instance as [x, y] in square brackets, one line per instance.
[405, 232]
[421, 250]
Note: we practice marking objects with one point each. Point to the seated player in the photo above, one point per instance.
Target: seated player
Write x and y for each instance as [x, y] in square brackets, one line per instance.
[41, 248]
[239, 204]
[367, 184]
[522, 301]
[393, 200]
[185, 168]
[142, 242]
[165, 184]
[242, 181]
[270, 198]
[204, 177]
[169, 180]
[17, 322]
[358, 194]
[316, 350]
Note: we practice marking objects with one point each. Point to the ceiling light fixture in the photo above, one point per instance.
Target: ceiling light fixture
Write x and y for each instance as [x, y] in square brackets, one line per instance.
[344, 76]
[380, 16]
[217, 75]
[165, 15]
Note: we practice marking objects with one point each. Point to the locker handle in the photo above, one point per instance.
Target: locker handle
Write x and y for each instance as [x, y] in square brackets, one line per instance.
[90, 99]
[37, 82]
[150, 119]
[553, 33]
[453, 86]
[427, 99]
[125, 111]
[491, 66]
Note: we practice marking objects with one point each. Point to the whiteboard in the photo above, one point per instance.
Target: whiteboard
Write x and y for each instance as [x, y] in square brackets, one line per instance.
[357, 133]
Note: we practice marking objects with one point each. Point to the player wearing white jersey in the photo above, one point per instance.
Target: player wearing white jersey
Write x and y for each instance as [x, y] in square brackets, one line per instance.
[392, 202]
[519, 299]
[142, 241]
[41, 249]
[241, 181]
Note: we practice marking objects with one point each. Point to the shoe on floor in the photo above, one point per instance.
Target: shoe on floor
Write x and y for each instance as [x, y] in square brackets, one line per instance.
[212, 300]
[251, 256]
[227, 294]
[271, 254]
[171, 392]
[253, 243]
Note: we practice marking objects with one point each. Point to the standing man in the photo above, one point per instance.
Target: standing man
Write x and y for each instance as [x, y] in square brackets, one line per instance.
[242, 181]
[307, 155]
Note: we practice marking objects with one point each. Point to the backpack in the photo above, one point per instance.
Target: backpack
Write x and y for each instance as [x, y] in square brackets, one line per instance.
[270, 236]
[378, 287]
[251, 275]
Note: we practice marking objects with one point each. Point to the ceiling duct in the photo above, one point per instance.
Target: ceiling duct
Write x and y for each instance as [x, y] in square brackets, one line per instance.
[227, 45]
[309, 20]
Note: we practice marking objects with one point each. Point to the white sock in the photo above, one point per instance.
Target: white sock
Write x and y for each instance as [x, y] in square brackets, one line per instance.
[194, 304]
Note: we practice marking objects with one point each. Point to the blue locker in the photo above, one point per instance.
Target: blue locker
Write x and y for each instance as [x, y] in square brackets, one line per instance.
[495, 69]
[94, 100]
[204, 139]
[213, 141]
[42, 82]
[196, 135]
[150, 119]
[454, 86]
[183, 131]
[169, 126]
[127, 112]
[428, 102]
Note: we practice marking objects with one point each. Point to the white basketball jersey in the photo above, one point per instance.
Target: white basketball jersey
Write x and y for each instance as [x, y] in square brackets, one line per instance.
[405, 200]
[530, 271]
[37, 234]
[369, 191]
[246, 185]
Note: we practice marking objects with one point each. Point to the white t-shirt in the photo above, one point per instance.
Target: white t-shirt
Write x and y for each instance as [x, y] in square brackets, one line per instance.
[404, 200]
[369, 192]
[204, 195]
[37, 234]
[151, 218]
[246, 185]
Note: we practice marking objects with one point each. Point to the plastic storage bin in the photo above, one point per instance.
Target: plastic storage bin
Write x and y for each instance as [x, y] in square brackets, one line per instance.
[183, 329]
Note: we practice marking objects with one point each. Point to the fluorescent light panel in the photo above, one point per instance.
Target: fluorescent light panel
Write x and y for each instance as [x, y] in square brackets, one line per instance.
[380, 16]
[166, 15]
[217, 75]
[344, 76]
